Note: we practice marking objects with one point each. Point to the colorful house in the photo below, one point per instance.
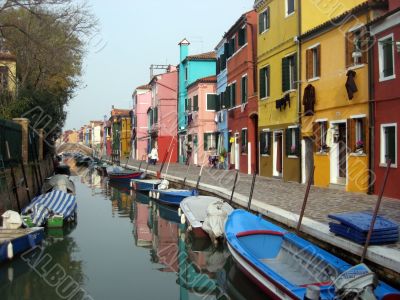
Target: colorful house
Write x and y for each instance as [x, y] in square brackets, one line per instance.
[120, 134]
[140, 137]
[96, 135]
[222, 113]
[202, 136]
[241, 93]
[191, 68]
[334, 92]
[8, 71]
[278, 125]
[163, 114]
[385, 109]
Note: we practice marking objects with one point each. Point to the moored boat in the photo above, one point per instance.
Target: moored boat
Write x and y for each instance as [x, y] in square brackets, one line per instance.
[286, 266]
[205, 215]
[59, 182]
[172, 196]
[17, 241]
[145, 185]
[124, 176]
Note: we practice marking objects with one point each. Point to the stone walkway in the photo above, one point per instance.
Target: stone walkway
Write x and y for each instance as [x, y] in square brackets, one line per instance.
[287, 195]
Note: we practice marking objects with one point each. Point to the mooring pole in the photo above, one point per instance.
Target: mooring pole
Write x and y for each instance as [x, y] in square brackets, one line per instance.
[140, 165]
[303, 208]
[378, 204]
[251, 191]
[25, 180]
[198, 179]
[234, 186]
[14, 182]
[163, 162]
[184, 179]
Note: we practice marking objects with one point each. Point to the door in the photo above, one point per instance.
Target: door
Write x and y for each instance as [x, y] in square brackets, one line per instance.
[278, 153]
[342, 140]
[237, 151]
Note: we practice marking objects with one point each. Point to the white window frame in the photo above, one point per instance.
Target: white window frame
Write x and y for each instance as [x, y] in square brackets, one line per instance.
[287, 14]
[381, 58]
[265, 19]
[266, 78]
[212, 110]
[213, 138]
[266, 132]
[382, 161]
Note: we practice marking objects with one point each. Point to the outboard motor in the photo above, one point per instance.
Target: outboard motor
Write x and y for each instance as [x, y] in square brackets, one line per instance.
[357, 282]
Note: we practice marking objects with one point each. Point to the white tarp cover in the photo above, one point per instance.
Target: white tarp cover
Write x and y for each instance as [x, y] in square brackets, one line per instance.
[214, 223]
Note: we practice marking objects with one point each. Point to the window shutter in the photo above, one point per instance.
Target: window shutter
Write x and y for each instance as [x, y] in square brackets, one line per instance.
[350, 135]
[298, 145]
[267, 17]
[364, 133]
[244, 89]
[205, 141]
[190, 104]
[318, 62]
[349, 48]
[391, 144]
[233, 90]
[196, 103]
[288, 141]
[309, 64]
[268, 74]
[317, 136]
[285, 74]
[211, 101]
[364, 46]
[260, 23]
[262, 83]
[295, 71]
[156, 115]
[226, 50]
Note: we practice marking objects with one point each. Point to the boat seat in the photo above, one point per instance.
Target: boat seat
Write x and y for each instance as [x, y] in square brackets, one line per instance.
[259, 232]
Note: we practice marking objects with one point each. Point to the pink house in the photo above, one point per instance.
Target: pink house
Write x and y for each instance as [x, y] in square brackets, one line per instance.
[141, 103]
[201, 104]
[163, 114]
[143, 235]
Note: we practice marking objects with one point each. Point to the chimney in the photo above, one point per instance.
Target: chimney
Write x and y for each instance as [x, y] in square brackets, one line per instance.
[184, 49]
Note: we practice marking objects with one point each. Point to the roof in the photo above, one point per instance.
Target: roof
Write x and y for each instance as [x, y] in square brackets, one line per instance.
[120, 112]
[374, 4]
[383, 17]
[202, 56]
[144, 87]
[208, 79]
[238, 23]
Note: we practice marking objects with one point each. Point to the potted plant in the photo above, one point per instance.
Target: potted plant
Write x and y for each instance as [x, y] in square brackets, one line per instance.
[360, 147]
[293, 150]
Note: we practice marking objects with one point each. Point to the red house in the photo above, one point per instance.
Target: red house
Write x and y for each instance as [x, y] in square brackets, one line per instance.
[386, 107]
[241, 94]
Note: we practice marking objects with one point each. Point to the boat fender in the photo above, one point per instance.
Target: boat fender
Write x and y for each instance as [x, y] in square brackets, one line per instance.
[183, 219]
[179, 211]
[10, 250]
[312, 293]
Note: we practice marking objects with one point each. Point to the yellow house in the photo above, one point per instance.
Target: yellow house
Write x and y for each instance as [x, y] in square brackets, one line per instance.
[334, 92]
[277, 60]
[8, 72]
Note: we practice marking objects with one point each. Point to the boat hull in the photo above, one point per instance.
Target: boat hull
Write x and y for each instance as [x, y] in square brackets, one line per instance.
[173, 198]
[124, 178]
[144, 186]
[20, 244]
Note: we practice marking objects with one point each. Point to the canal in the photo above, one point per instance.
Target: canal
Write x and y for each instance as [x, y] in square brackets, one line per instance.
[124, 246]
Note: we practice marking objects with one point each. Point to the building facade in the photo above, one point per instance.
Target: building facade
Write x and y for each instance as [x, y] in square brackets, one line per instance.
[241, 98]
[277, 65]
[202, 133]
[163, 115]
[120, 134]
[385, 109]
[191, 68]
[140, 137]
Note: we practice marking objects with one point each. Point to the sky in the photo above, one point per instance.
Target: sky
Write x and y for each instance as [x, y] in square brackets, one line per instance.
[135, 34]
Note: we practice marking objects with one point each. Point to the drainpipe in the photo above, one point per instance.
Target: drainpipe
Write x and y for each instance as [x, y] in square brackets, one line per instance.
[299, 85]
[371, 102]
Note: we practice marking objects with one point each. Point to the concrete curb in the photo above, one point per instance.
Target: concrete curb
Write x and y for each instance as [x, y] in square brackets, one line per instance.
[383, 256]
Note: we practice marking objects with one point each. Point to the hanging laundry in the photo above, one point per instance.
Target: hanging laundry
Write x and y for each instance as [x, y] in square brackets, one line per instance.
[351, 86]
[281, 103]
[309, 100]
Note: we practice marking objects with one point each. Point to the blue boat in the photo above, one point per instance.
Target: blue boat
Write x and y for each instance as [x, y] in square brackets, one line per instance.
[172, 196]
[145, 185]
[286, 266]
[17, 241]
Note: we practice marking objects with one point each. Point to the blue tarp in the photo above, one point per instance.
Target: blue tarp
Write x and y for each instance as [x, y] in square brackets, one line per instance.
[55, 202]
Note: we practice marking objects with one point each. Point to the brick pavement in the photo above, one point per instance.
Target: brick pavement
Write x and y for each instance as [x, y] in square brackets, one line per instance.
[288, 195]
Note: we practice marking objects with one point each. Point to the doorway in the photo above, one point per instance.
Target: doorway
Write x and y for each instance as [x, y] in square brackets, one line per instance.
[308, 158]
[338, 153]
[278, 154]
[255, 148]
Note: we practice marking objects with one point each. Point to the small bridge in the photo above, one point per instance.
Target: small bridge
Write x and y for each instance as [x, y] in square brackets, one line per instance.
[75, 147]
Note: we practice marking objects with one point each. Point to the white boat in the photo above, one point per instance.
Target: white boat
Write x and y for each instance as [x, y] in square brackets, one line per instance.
[205, 215]
[58, 182]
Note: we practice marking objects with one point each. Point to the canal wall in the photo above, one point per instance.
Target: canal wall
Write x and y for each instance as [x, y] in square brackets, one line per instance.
[384, 260]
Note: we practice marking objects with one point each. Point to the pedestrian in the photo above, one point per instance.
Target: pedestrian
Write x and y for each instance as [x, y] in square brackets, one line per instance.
[153, 155]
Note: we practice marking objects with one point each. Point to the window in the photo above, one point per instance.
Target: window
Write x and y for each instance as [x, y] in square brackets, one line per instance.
[320, 130]
[265, 82]
[211, 102]
[389, 144]
[242, 36]
[244, 89]
[232, 95]
[196, 103]
[232, 46]
[289, 7]
[210, 141]
[265, 142]
[4, 77]
[356, 134]
[155, 115]
[356, 47]
[264, 21]
[386, 58]
[186, 73]
[189, 105]
[293, 141]
[289, 73]
[222, 62]
[313, 57]
[244, 140]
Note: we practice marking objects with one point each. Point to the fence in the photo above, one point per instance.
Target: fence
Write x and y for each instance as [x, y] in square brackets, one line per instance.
[12, 133]
[33, 145]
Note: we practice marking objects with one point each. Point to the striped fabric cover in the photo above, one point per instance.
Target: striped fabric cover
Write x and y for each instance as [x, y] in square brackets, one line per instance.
[55, 202]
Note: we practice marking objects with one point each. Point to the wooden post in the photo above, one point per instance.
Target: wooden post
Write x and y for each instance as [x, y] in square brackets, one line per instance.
[140, 165]
[378, 204]
[310, 180]
[234, 186]
[14, 182]
[198, 179]
[25, 180]
[251, 191]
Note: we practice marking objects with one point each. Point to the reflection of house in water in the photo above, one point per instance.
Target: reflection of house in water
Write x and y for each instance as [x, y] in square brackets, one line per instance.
[121, 203]
[142, 233]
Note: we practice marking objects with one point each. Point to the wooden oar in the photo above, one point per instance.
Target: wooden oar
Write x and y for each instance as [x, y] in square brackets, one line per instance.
[251, 191]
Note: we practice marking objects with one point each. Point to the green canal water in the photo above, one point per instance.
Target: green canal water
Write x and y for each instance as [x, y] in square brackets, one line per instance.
[124, 246]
